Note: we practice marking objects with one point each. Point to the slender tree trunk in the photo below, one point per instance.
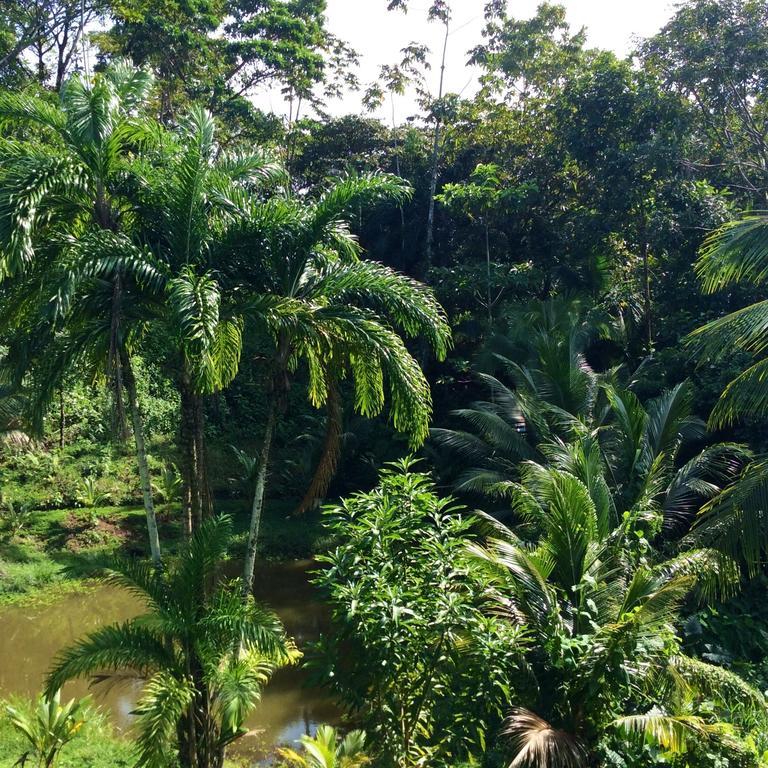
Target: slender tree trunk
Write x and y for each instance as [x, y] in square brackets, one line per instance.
[647, 298]
[61, 417]
[258, 499]
[488, 273]
[196, 495]
[190, 443]
[141, 455]
[647, 308]
[435, 163]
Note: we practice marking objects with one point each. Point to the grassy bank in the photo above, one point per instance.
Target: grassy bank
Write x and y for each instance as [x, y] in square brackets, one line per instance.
[62, 549]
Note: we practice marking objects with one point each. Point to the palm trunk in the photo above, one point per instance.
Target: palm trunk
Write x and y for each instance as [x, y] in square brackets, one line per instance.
[258, 500]
[488, 275]
[141, 455]
[196, 495]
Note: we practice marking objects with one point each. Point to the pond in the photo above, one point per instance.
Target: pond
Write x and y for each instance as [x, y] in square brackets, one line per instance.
[31, 637]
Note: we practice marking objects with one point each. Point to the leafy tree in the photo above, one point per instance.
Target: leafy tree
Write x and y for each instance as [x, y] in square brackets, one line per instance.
[204, 652]
[486, 196]
[48, 31]
[216, 52]
[411, 652]
[713, 53]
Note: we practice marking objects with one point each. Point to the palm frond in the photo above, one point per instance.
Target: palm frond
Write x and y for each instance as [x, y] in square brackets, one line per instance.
[121, 646]
[163, 702]
[735, 252]
[670, 732]
[537, 744]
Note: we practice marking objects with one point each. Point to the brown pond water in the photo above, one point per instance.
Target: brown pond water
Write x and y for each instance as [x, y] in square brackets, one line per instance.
[31, 637]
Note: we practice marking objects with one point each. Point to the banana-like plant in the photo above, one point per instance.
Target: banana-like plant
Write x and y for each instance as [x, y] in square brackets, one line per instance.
[327, 749]
[49, 727]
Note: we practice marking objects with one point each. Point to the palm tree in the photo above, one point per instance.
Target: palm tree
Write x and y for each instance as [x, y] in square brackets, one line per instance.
[188, 201]
[560, 412]
[204, 653]
[320, 304]
[327, 750]
[737, 252]
[596, 608]
[62, 222]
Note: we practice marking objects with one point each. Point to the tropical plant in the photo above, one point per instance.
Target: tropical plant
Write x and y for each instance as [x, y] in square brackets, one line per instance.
[650, 456]
[65, 262]
[190, 198]
[48, 727]
[203, 652]
[168, 486]
[89, 494]
[327, 749]
[14, 517]
[412, 653]
[320, 304]
[735, 253]
[600, 612]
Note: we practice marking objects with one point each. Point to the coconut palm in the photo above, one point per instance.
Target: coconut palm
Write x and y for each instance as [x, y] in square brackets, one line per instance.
[604, 656]
[737, 253]
[203, 652]
[62, 222]
[559, 411]
[319, 304]
[326, 749]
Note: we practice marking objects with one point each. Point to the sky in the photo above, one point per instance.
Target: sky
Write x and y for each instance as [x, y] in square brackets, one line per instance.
[378, 35]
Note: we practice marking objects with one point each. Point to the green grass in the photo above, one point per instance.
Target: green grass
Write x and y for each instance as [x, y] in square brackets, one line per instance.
[96, 746]
[53, 553]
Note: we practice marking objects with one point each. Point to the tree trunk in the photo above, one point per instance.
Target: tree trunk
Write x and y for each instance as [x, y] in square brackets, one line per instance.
[141, 455]
[61, 418]
[647, 308]
[435, 164]
[258, 500]
[488, 275]
[196, 495]
[329, 457]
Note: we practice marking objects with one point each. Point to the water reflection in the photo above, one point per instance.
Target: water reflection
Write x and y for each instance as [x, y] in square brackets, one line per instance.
[31, 637]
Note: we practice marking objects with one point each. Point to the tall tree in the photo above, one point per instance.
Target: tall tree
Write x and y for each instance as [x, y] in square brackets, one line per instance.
[715, 53]
[62, 218]
[324, 306]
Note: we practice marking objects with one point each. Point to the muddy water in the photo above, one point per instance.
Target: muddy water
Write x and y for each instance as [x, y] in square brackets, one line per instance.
[31, 637]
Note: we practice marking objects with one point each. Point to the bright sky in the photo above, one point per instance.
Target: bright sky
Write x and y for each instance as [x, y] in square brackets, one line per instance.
[378, 35]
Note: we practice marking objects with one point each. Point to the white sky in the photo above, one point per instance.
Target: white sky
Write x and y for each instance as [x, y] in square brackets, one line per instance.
[378, 35]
